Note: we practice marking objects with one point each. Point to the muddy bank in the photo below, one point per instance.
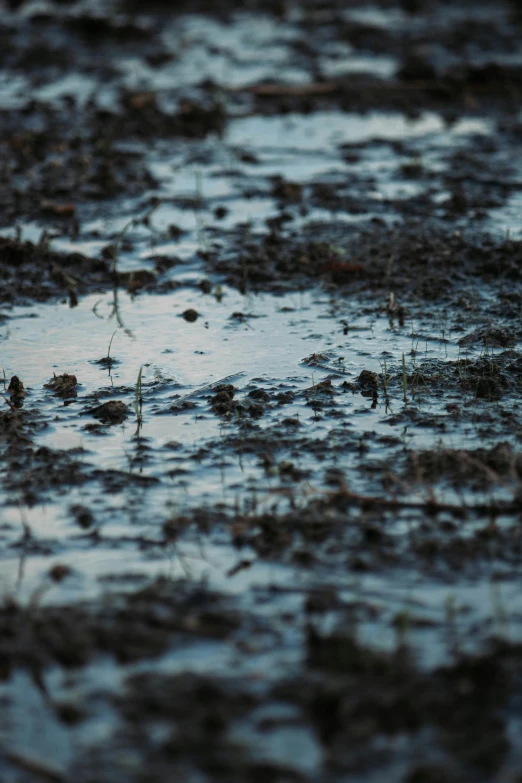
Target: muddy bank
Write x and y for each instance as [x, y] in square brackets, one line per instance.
[408, 260]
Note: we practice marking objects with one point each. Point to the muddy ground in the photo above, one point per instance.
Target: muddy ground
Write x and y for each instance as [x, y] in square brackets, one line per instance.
[261, 354]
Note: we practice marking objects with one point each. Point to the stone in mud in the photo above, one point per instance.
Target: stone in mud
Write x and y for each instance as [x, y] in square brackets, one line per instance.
[190, 315]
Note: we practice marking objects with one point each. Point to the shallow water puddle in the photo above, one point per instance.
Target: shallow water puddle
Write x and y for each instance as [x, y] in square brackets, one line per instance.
[245, 52]
[262, 344]
[251, 340]
[236, 178]
[322, 130]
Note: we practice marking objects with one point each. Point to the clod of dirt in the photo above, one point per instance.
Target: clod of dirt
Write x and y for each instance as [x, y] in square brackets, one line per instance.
[259, 394]
[320, 392]
[479, 467]
[489, 377]
[60, 210]
[190, 315]
[291, 422]
[37, 272]
[83, 516]
[106, 361]
[16, 387]
[223, 402]
[315, 359]
[112, 412]
[142, 117]
[205, 286]
[11, 422]
[287, 469]
[128, 627]
[340, 652]
[59, 572]
[17, 391]
[63, 385]
[136, 279]
[220, 213]
[184, 405]
[255, 410]
[287, 191]
[285, 398]
[493, 336]
[368, 379]
[173, 527]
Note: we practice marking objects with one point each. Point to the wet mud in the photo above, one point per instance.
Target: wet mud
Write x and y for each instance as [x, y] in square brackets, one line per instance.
[261, 366]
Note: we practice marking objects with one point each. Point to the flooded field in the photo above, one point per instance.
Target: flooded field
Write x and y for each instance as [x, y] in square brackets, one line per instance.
[261, 371]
